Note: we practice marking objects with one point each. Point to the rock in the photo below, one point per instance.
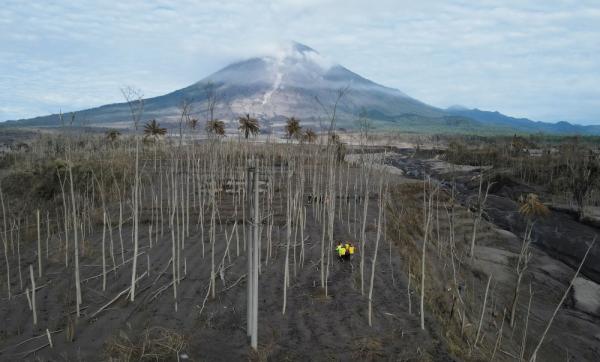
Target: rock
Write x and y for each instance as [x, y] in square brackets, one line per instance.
[494, 261]
[507, 234]
[586, 296]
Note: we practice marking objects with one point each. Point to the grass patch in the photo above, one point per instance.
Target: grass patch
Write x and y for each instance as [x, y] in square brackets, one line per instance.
[155, 344]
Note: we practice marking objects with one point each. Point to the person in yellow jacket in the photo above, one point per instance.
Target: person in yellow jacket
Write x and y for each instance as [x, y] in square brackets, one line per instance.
[350, 248]
[341, 250]
[345, 250]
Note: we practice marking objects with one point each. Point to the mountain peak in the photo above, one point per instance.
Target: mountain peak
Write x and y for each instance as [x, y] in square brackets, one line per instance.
[281, 80]
[293, 52]
[299, 47]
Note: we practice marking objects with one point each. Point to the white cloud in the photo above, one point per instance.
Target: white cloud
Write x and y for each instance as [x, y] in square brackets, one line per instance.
[525, 58]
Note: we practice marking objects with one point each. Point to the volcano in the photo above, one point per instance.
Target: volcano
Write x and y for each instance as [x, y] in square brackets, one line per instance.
[295, 81]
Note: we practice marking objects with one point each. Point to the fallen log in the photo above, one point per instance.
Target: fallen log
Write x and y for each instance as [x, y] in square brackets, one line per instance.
[126, 290]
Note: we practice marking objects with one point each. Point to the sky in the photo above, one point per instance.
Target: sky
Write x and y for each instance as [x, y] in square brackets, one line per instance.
[535, 59]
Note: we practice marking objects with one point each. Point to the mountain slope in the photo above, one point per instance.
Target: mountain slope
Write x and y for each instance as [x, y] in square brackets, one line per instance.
[521, 124]
[296, 82]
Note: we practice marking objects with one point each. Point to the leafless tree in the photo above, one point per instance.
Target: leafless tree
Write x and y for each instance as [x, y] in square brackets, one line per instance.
[185, 109]
[135, 101]
[478, 212]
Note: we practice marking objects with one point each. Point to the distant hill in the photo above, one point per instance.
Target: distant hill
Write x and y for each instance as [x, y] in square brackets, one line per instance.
[498, 119]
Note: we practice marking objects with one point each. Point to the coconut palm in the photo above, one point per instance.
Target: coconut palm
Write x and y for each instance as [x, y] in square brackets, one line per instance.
[309, 136]
[193, 123]
[531, 207]
[215, 127]
[112, 135]
[248, 125]
[153, 129]
[293, 128]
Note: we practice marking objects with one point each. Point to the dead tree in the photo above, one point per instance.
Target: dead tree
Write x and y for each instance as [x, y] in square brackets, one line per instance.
[185, 108]
[487, 288]
[39, 243]
[135, 102]
[522, 264]
[479, 207]
[584, 176]
[374, 262]
[255, 262]
[33, 307]
[428, 209]
[5, 243]
[75, 239]
[531, 209]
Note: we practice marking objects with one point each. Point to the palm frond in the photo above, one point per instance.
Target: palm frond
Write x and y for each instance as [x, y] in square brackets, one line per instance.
[153, 129]
[248, 125]
[112, 135]
[309, 136]
[216, 127]
[532, 207]
[293, 127]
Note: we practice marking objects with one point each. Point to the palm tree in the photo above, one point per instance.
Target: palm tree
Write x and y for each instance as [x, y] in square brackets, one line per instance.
[154, 130]
[309, 136]
[531, 207]
[293, 128]
[193, 123]
[248, 125]
[215, 127]
[112, 135]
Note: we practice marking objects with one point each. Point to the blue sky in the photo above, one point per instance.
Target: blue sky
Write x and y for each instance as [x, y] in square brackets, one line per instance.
[536, 59]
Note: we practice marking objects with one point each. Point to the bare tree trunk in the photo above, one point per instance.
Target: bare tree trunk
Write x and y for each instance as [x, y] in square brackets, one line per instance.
[17, 227]
[5, 242]
[248, 245]
[47, 233]
[121, 230]
[103, 251]
[286, 272]
[75, 241]
[255, 258]
[522, 264]
[481, 199]
[173, 197]
[39, 243]
[370, 309]
[408, 290]
[524, 340]
[33, 308]
[499, 339]
[363, 234]
[322, 269]
[135, 219]
[66, 223]
[487, 288]
[428, 213]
